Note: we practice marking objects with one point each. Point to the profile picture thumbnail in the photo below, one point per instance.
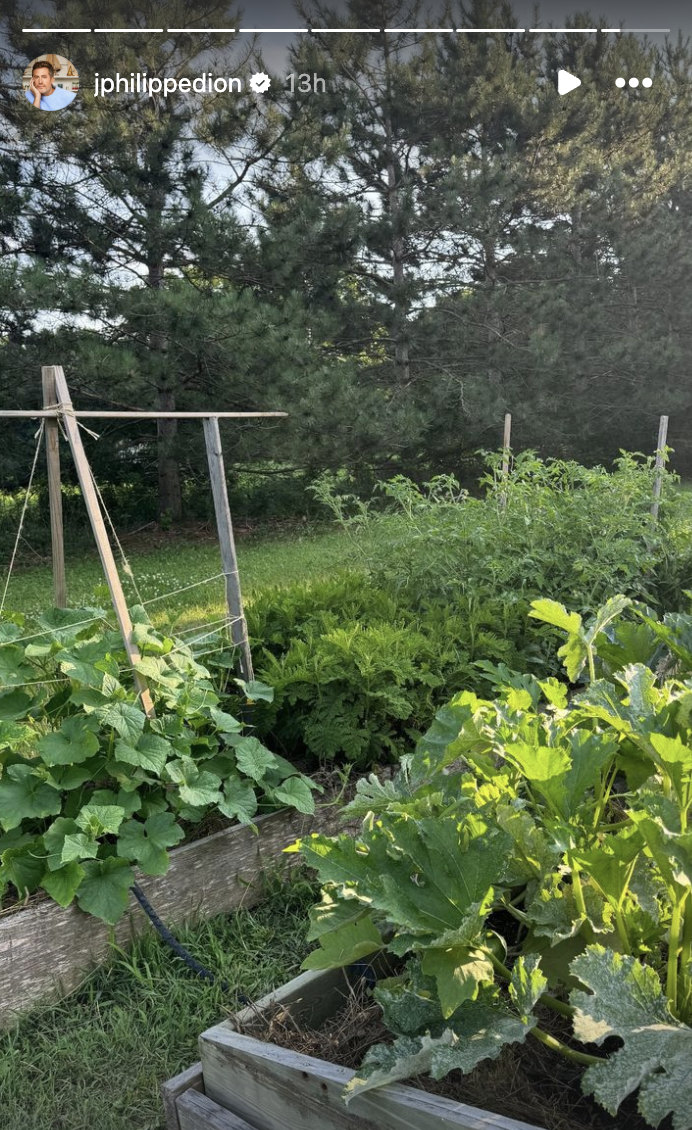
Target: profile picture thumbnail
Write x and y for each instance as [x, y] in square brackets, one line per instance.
[50, 82]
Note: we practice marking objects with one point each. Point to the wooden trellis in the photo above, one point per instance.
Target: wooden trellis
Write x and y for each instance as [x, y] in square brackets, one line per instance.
[58, 410]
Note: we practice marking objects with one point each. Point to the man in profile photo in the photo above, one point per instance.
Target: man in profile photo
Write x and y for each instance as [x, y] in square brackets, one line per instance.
[42, 92]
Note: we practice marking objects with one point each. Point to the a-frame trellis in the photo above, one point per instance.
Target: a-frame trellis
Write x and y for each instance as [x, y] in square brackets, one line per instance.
[58, 410]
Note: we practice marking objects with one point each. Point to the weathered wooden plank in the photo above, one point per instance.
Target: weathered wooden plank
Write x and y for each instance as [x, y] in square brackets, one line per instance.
[224, 526]
[37, 413]
[46, 950]
[198, 1112]
[172, 1089]
[277, 1089]
[309, 999]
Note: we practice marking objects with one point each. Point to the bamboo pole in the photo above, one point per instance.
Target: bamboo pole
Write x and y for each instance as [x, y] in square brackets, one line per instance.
[224, 525]
[57, 538]
[658, 467]
[97, 524]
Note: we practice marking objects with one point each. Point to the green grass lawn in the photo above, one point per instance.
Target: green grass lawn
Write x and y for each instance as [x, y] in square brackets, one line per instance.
[261, 562]
[97, 1059]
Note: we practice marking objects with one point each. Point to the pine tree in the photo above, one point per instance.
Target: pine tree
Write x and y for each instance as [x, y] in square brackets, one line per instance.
[129, 191]
[553, 206]
[371, 121]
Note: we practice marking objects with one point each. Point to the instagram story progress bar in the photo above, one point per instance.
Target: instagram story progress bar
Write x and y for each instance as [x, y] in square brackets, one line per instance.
[346, 30]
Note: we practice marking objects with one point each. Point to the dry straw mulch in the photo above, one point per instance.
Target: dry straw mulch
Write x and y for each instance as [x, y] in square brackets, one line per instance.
[526, 1082]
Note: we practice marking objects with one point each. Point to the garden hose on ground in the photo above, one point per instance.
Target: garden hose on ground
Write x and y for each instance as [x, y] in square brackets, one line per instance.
[180, 950]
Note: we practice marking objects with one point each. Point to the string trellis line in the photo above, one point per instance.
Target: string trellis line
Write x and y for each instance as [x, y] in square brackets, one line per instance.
[38, 683]
[186, 588]
[127, 568]
[198, 639]
[52, 631]
[223, 620]
[39, 439]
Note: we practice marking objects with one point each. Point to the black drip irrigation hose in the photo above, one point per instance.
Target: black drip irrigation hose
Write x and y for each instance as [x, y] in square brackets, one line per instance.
[180, 950]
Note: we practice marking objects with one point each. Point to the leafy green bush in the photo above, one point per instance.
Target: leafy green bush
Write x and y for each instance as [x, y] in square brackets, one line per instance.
[89, 785]
[350, 692]
[279, 615]
[535, 852]
[356, 671]
[359, 664]
[577, 533]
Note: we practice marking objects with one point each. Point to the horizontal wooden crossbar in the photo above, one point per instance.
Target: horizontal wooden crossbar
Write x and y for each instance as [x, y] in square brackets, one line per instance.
[52, 413]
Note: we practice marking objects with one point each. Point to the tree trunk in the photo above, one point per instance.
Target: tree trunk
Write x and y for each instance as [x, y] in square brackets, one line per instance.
[170, 493]
[493, 320]
[170, 497]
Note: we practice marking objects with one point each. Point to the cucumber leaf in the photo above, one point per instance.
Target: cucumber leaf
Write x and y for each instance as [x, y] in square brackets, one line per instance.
[72, 744]
[14, 705]
[23, 866]
[239, 799]
[24, 795]
[253, 758]
[63, 884]
[105, 888]
[147, 842]
[196, 787]
[150, 753]
[124, 717]
[100, 819]
[296, 793]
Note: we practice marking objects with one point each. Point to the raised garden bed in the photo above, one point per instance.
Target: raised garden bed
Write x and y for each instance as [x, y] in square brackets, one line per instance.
[46, 950]
[271, 1088]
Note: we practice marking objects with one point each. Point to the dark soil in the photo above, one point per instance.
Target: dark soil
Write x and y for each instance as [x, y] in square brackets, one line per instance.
[526, 1082]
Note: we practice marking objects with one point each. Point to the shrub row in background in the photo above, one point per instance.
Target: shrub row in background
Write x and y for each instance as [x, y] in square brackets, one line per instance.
[578, 533]
[356, 669]
[360, 664]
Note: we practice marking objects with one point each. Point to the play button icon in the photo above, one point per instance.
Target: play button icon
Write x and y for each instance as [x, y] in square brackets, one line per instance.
[567, 82]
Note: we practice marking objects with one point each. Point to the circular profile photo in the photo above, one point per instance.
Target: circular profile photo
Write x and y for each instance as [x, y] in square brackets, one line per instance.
[50, 82]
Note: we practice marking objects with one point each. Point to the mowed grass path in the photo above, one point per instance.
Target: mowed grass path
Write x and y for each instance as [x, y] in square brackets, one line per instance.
[262, 562]
[96, 1061]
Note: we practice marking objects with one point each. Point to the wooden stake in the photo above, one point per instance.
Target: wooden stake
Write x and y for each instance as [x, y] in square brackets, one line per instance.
[57, 539]
[506, 444]
[224, 525]
[658, 467]
[97, 524]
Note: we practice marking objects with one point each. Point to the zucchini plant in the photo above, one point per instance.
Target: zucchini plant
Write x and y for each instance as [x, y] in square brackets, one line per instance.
[90, 787]
[533, 856]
